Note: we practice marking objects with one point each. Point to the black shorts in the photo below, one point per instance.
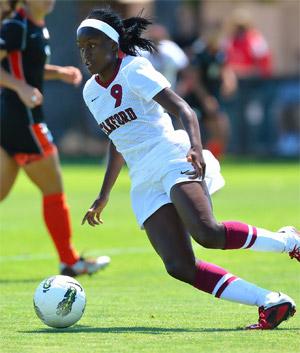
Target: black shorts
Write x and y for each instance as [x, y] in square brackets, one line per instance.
[22, 130]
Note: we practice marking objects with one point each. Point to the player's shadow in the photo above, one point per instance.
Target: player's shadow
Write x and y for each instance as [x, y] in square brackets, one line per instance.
[139, 329]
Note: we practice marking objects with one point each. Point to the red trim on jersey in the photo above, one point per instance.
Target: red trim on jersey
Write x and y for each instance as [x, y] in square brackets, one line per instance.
[107, 83]
[45, 145]
[15, 62]
[27, 158]
[40, 137]
[121, 55]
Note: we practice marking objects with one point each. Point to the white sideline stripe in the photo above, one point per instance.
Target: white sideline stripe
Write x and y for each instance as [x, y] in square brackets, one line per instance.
[94, 252]
[26, 257]
[249, 237]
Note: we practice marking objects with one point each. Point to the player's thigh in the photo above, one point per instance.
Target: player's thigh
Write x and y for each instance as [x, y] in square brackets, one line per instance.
[8, 173]
[193, 204]
[171, 241]
[46, 174]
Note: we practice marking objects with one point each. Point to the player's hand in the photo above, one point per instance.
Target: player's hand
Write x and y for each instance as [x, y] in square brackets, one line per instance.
[70, 74]
[93, 214]
[195, 157]
[29, 95]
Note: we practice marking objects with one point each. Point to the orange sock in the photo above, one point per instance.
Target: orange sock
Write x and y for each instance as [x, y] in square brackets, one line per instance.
[57, 219]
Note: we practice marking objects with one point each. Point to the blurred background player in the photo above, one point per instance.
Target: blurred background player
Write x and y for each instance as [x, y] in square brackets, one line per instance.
[204, 84]
[169, 59]
[247, 51]
[25, 139]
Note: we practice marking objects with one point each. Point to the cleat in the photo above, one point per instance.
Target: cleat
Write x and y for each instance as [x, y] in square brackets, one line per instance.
[295, 252]
[272, 314]
[85, 266]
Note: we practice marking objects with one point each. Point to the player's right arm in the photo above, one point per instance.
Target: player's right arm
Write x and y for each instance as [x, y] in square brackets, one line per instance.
[114, 166]
[12, 41]
[25, 92]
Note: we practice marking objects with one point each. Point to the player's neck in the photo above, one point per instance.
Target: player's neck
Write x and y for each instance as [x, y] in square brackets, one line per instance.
[109, 71]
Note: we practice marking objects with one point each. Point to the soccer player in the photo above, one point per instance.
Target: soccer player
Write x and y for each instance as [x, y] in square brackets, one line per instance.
[170, 173]
[169, 59]
[247, 50]
[25, 140]
[204, 84]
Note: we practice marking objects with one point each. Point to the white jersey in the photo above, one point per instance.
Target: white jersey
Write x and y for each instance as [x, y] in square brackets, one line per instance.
[143, 133]
[124, 108]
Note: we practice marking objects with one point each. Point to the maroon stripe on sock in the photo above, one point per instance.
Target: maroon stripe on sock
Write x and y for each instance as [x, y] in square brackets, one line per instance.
[224, 285]
[254, 236]
[207, 276]
[236, 234]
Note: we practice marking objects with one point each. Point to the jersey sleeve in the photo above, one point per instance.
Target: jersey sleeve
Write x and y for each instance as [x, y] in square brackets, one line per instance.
[144, 80]
[12, 35]
[87, 93]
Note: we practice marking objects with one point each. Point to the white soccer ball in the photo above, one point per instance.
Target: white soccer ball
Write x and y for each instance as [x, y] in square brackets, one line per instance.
[59, 301]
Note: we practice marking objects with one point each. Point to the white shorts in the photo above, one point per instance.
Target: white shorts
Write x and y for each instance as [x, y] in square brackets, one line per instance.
[151, 186]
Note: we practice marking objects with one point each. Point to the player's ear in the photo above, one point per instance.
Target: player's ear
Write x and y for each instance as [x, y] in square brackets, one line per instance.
[114, 46]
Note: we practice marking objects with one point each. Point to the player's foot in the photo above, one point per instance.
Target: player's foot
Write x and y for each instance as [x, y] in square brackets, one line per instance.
[85, 266]
[295, 252]
[273, 313]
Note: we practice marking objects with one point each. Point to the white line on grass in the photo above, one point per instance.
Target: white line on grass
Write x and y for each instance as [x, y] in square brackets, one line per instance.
[97, 252]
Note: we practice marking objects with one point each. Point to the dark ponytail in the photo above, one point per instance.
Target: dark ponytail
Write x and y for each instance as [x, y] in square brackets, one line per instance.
[130, 30]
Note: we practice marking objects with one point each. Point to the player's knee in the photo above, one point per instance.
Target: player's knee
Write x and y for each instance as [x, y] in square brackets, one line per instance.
[207, 234]
[180, 271]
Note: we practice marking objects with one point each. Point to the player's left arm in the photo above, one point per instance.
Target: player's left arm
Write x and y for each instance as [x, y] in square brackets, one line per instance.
[68, 74]
[113, 169]
[178, 107]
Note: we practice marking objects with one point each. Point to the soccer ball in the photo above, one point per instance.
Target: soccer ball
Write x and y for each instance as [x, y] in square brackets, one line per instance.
[59, 301]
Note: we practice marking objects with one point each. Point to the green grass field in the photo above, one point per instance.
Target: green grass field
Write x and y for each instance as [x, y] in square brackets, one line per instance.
[133, 306]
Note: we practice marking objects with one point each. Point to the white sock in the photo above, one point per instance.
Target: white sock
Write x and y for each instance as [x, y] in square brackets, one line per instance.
[245, 293]
[275, 242]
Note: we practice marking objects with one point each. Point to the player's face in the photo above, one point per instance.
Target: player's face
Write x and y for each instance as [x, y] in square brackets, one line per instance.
[97, 51]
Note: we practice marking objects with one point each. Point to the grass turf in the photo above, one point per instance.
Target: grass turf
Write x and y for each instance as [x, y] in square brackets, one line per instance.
[133, 306]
